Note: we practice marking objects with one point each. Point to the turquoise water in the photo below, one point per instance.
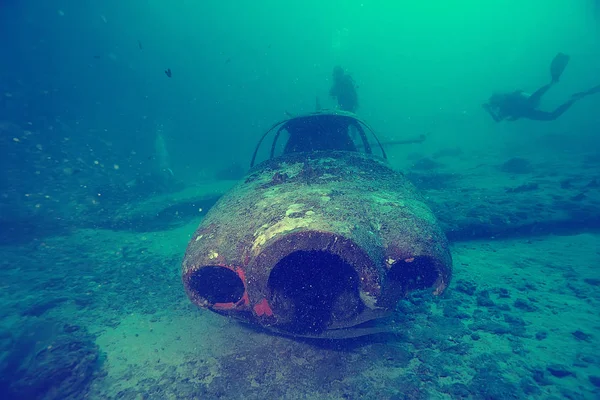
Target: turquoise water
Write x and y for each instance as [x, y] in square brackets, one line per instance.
[122, 123]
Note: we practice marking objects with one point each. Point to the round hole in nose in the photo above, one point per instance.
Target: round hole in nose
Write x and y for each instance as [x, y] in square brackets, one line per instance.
[310, 289]
[216, 284]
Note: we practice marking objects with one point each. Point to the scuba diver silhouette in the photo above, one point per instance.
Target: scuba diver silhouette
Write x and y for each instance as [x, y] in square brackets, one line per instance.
[330, 130]
[518, 104]
[344, 90]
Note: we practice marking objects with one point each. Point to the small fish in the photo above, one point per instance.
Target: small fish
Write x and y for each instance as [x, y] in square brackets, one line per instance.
[97, 57]
[140, 45]
[168, 72]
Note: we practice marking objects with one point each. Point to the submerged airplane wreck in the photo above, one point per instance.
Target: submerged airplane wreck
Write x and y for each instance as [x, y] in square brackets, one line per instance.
[319, 238]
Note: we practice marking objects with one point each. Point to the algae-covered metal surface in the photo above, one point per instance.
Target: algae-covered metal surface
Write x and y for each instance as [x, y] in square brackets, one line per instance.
[309, 244]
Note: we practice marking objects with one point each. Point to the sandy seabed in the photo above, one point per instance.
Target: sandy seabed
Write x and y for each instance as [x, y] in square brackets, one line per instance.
[107, 310]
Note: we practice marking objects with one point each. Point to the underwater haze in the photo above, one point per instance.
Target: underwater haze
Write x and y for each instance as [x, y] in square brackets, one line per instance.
[123, 122]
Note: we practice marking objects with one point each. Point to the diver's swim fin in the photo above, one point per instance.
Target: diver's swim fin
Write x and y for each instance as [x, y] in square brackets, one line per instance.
[558, 65]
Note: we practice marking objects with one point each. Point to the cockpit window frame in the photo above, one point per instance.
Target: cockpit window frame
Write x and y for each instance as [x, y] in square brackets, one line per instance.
[358, 123]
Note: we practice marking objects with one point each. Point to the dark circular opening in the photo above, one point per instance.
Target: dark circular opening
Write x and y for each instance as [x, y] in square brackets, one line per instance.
[414, 273]
[217, 285]
[311, 289]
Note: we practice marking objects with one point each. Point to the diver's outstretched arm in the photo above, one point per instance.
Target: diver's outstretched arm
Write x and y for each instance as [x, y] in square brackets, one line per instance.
[418, 139]
[489, 110]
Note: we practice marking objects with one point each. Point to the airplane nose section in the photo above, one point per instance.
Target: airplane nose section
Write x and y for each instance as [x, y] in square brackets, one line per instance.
[315, 246]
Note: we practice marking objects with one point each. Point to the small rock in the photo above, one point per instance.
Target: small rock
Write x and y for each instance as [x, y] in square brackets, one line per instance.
[595, 380]
[587, 359]
[524, 305]
[580, 335]
[459, 390]
[518, 330]
[426, 164]
[511, 319]
[451, 312]
[571, 395]
[466, 287]
[484, 300]
[460, 349]
[489, 384]
[479, 315]
[559, 370]
[529, 387]
[541, 335]
[540, 377]
[592, 281]
[70, 328]
[519, 348]
[530, 286]
[491, 327]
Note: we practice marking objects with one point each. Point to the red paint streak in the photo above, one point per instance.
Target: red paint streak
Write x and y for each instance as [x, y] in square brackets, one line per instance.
[223, 306]
[241, 274]
[244, 301]
[263, 308]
